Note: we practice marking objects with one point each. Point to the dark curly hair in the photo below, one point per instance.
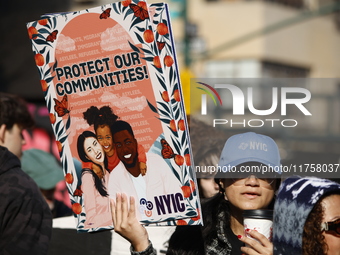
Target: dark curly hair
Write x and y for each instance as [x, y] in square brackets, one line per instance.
[99, 117]
[313, 241]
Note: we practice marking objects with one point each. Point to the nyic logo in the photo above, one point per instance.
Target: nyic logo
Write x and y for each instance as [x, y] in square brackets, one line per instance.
[239, 99]
[145, 207]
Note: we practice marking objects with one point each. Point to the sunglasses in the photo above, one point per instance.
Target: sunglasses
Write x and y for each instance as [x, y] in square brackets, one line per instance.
[241, 180]
[331, 226]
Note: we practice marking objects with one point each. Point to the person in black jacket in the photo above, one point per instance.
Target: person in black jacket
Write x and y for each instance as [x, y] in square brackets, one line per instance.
[25, 218]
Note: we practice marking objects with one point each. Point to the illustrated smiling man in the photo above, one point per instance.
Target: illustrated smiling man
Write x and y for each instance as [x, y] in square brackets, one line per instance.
[126, 177]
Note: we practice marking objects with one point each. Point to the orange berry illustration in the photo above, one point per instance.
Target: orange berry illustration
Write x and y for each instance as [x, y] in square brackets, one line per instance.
[42, 22]
[165, 96]
[148, 36]
[168, 61]
[187, 159]
[186, 191]
[162, 29]
[52, 118]
[177, 95]
[126, 3]
[44, 85]
[157, 62]
[39, 59]
[69, 178]
[181, 223]
[173, 125]
[179, 160]
[181, 125]
[32, 31]
[59, 146]
[76, 208]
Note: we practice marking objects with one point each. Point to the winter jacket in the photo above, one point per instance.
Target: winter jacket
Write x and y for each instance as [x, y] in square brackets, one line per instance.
[25, 218]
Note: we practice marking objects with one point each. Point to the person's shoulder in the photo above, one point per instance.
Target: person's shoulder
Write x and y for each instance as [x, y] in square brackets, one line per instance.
[16, 181]
[8, 160]
[154, 157]
[155, 162]
[86, 174]
[17, 189]
[118, 170]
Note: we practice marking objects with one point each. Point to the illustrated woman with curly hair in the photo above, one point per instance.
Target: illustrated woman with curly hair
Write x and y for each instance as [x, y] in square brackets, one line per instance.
[96, 197]
[102, 120]
[307, 217]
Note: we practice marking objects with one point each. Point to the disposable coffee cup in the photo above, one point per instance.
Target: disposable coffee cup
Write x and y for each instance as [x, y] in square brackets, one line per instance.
[260, 221]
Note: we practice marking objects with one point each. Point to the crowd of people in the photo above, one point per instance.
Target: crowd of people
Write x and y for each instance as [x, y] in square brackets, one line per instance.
[306, 209]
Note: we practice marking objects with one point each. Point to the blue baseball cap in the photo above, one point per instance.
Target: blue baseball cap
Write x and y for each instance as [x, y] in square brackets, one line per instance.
[250, 147]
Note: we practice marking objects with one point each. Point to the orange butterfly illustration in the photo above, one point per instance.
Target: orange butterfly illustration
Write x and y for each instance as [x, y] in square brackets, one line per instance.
[61, 107]
[139, 10]
[160, 45]
[167, 151]
[105, 14]
[52, 36]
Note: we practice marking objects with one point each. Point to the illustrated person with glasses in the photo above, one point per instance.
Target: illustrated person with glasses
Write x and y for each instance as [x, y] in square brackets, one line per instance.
[307, 217]
[223, 231]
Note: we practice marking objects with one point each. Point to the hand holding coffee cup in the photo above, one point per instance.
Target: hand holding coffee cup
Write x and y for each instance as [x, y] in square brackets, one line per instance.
[260, 221]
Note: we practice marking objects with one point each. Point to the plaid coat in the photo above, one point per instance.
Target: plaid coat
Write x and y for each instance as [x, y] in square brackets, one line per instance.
[25, 218]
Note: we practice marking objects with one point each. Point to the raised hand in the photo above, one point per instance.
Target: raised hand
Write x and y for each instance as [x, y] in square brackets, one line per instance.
[126, 224]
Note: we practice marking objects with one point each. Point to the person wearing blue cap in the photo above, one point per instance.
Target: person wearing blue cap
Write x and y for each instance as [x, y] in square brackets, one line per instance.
[243, 187]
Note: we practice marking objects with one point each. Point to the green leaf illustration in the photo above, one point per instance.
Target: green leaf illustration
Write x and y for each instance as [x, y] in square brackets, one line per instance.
[152, 107]
[134, 47]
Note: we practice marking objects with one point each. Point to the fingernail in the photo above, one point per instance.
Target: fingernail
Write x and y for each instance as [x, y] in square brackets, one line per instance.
[248, 230]
[239, 236]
